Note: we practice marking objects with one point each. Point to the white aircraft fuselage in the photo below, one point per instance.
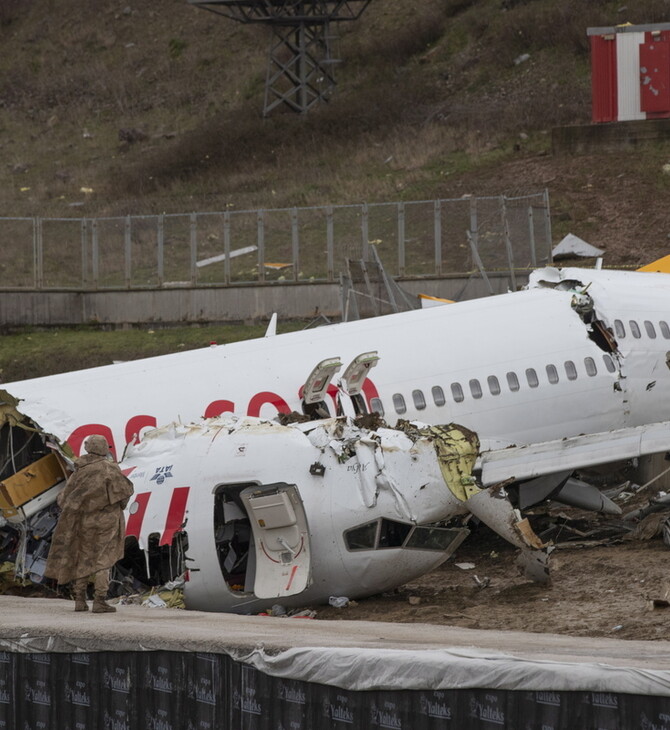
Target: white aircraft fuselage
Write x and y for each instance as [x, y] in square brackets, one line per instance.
[578, 352]
[425, 357]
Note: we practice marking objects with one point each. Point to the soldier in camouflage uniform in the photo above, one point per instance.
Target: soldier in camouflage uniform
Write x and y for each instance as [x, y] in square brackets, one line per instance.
[89, 536]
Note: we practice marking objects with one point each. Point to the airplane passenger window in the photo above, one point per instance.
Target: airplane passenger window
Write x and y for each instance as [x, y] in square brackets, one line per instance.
[419, 399]
[665, 330]
[650, 329]
[438, 396]
[570, 369]
[609, 363]
[513, 382]
[475, 388]
[376, 405]
[494, 385]
[619, 329]
[634, 328]
[531, 377]
[393, 534]
[363, 537]
[457, 392]
[399, 403]
[590, 365]
[552, 374]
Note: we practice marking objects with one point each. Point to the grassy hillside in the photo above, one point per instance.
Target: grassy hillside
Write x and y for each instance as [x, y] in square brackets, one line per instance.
[120, 107]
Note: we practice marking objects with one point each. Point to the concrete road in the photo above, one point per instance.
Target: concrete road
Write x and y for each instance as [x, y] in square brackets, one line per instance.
[53, 621]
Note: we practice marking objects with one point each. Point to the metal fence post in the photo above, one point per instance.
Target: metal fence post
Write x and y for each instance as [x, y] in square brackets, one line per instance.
[365, 230]
[260, 223]
[84, 252]
[160, 249]
[531, 237]
[547, 225]
[473, 236]
[95, 253]
[35, 255]
[193, 236]
[330, 243]
[438, 237]
[128, 251]
[508, 241]
[401, 239]
[226, 247]
[295, 243]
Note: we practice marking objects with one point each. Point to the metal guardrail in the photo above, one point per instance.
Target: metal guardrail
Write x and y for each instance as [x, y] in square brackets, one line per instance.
[413, 239]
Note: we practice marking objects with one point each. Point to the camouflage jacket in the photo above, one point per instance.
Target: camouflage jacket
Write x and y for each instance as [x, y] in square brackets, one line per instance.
[90, 532]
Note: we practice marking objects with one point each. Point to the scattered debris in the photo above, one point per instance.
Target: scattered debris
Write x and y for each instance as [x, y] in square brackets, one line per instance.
[338, 601]
[572, 245]
[414, 600]
[465, 566]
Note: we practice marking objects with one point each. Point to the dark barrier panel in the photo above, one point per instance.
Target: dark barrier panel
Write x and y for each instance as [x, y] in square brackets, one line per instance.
[196, 691]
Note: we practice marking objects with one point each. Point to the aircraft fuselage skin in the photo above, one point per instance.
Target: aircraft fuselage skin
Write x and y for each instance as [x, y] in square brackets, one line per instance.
[266, 509]
[464, 345]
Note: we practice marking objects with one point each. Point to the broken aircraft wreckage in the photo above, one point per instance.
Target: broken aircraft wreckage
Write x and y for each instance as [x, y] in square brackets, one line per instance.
[575, 370]
[254, 511]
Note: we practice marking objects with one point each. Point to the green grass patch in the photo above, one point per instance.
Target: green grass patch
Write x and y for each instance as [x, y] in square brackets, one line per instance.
[33, 353]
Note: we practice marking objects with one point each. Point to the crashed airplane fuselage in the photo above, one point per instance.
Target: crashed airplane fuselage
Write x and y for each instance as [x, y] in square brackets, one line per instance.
[571, 372]
[516, 368]
[258, 513]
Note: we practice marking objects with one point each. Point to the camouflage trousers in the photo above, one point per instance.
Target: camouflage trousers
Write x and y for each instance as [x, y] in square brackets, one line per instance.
[100, 582]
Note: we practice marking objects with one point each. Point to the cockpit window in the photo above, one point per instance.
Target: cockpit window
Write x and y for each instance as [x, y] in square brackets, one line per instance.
[363, 537]
[392, 534]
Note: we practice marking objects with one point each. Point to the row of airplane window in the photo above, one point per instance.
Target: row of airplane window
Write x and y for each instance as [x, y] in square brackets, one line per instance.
[494, 387]
[620, 329]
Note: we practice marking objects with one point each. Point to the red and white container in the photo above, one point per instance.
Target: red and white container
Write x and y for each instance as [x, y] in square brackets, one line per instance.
[630, 72]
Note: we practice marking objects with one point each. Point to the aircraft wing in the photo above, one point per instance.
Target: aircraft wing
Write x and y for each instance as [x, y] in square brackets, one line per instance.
[550, 457]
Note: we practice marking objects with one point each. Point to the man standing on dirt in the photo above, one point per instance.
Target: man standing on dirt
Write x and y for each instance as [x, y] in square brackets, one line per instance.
[89, 536]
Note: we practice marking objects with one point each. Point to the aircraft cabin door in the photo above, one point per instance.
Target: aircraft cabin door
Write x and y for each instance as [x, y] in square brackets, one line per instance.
[354, 377]
[315, 389]
[281, 539]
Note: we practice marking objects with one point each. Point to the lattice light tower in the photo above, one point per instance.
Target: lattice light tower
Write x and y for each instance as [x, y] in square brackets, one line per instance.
[300, 64]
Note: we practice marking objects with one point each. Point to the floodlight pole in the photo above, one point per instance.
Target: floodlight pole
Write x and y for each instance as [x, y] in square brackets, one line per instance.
[300, 69]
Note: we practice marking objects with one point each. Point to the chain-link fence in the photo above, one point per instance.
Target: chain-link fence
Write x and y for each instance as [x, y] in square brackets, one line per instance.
[412, 239]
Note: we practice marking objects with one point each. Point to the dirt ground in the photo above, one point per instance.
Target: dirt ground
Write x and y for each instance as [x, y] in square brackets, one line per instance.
[601, 590]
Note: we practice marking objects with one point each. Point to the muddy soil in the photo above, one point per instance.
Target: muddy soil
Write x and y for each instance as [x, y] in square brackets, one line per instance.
[601, 590]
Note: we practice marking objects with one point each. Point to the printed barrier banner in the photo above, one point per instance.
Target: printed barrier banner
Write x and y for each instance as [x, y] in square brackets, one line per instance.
[156, 690]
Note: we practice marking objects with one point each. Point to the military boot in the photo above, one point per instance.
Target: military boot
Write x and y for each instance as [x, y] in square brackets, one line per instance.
[80, 602]
[101, 606]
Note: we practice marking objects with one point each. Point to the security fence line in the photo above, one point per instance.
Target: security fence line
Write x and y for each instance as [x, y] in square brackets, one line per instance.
[413, 239]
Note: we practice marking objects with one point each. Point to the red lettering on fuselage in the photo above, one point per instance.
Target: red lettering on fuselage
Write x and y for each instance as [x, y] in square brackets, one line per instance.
[80, 434]
[260, 399]
[135, 426]
[217, 407]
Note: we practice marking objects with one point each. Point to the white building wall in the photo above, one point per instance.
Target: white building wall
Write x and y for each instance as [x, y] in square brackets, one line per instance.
[628, 75]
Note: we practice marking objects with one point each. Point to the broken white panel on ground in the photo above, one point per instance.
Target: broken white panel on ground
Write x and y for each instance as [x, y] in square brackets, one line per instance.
[572, 245]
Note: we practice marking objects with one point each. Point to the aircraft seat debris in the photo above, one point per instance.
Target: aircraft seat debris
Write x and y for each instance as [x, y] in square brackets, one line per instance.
[20, 493]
